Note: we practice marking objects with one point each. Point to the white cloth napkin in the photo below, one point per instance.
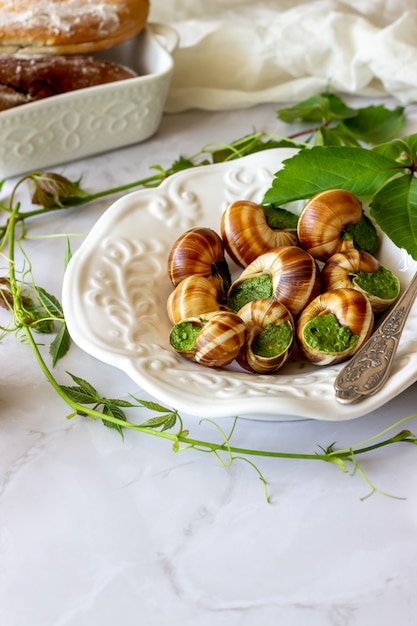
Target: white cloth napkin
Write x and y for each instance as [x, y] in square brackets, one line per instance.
[238, 53]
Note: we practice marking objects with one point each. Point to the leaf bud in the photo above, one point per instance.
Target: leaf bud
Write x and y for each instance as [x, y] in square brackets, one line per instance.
[53, 190]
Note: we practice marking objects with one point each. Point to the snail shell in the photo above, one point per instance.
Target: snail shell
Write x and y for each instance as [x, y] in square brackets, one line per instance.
[192, 297]
[294, 273]
[351, 308]
[246, 234]
[342, 268]
[220, 336]
[259, 316]
[323, 220]
[199, 251]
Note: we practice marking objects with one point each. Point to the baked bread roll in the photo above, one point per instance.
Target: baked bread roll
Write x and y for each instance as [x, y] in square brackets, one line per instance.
[68, 26]
[25, 79]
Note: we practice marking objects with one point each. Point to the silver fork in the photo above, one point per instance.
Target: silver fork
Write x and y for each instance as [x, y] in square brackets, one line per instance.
[368, 370]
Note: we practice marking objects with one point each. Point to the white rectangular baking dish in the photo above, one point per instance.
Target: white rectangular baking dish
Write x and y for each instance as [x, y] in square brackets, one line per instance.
[89, 121]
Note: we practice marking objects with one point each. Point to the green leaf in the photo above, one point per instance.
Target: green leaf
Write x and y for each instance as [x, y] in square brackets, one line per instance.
[395, 150]
[40, 322]
[411, 142]
[85, 386]
[339, 124]
[181, 164]
[68, 253]
[376, 124]
[401, 150]
[122, 403]
[155, 422]
[323, 108]
[394, 208]
[78, 395]
[113, 411]
[405, 435]
[170, 422]
[60, 345]
[152, 406]
[277, 143]
[280, 219]
[336, 136]
[49, 302]
[316, 169]
[338, 108]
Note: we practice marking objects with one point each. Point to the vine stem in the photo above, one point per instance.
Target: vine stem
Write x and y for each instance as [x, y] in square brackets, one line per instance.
[237, 149]
[21, 217]
[333, 456]
[195, 443]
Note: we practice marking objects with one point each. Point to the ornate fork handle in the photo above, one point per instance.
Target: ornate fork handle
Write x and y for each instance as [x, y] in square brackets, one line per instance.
[369, 369]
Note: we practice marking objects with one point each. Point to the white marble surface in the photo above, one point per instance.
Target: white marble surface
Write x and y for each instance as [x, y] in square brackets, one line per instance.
[96, 531]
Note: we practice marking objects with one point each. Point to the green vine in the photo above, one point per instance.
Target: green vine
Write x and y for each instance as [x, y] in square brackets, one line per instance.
[33, 310]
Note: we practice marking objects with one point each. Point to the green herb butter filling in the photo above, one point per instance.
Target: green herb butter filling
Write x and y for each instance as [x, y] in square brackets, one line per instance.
[278, 218]
[381, 283]
[273, 340]
[363, 234]
[251, 289]
[183, 335]
[324, 333]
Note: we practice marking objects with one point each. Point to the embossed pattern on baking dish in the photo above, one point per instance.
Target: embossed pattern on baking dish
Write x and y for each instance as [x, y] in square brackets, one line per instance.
[89, 121]
[116, 286]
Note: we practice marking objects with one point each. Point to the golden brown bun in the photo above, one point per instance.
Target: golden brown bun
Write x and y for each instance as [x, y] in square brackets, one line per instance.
[68, 26]
[30, 78]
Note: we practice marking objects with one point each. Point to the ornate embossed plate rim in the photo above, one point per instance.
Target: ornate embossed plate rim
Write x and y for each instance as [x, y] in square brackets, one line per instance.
[115, 291]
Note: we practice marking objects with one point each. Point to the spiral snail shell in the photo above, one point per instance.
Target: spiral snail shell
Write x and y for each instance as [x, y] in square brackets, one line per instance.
[334, 326]
[199, 251]
[213, 340]
[289, 274]
[269, 338]
[192, 297]
[360, 270]
[323, 220]
[246, 233]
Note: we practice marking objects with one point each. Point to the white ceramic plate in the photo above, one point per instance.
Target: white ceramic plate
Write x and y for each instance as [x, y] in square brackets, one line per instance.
[116, 287]
[88, 121]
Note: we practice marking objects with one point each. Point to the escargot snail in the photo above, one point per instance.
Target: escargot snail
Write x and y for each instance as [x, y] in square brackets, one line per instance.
[246, 233]
[334, 326]
[269, 338]
[199, 251]
[213, 340]
[360, 270]
[192, 297]
[288, 274]
[332, 221]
